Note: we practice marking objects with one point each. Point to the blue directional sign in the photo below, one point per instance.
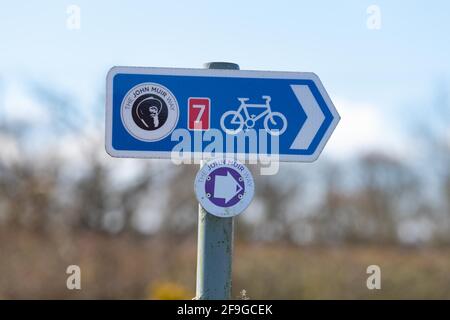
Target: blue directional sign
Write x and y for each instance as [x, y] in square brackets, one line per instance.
[164, 112]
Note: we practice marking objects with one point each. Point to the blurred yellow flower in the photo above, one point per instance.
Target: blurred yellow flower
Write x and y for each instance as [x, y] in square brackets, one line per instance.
[169, 291]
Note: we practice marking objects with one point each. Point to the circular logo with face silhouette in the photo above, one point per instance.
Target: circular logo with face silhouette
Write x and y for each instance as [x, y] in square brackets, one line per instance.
[149, 112]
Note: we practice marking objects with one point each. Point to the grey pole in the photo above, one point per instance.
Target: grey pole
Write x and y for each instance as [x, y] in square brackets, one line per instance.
[215, 243]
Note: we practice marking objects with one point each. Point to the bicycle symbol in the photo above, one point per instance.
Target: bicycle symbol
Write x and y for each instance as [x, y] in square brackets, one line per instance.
[276, 119]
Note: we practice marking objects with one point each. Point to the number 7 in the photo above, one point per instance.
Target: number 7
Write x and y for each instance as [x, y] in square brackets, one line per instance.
[200, 113]
[201, 106]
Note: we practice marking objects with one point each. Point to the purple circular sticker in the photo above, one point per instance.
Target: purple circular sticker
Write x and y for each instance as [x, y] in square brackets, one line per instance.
[224, 187]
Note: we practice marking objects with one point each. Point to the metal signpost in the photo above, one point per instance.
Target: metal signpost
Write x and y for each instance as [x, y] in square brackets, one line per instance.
[217, 113]
[214, 242]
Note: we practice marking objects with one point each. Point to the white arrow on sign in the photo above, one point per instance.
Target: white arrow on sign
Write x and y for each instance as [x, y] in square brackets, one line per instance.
[314, 117]
[226, 187]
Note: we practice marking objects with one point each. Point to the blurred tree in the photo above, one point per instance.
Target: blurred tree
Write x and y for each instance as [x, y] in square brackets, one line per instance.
[372, 209]
[431, 130]
[279, 196]
[386, 186]
[180, 213]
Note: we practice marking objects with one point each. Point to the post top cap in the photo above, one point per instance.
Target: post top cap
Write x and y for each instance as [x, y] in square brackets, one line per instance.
[221, 65]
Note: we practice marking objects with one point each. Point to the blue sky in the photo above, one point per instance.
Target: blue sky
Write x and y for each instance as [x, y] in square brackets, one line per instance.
[385, 75]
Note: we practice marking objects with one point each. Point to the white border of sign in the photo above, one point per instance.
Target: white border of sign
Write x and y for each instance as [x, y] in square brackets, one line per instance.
[213, 73]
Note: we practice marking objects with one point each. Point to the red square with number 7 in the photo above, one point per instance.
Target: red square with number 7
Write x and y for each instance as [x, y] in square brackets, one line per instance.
[199, 110]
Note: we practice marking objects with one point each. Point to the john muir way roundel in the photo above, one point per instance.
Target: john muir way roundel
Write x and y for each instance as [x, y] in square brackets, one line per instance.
[224, 187]
[149, 112]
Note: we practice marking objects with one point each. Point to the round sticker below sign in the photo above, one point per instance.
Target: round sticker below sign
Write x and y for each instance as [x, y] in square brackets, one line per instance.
[224, 187]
